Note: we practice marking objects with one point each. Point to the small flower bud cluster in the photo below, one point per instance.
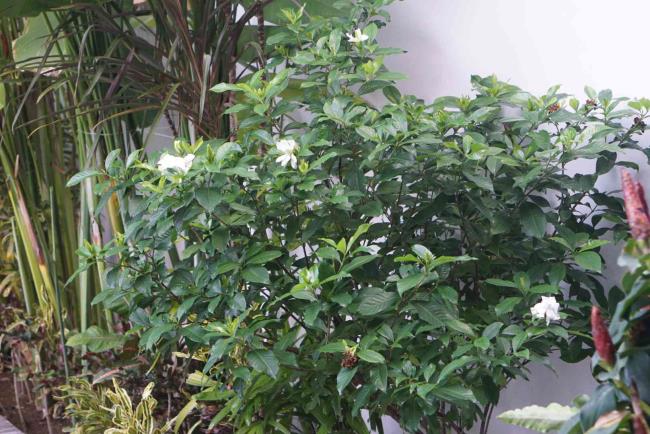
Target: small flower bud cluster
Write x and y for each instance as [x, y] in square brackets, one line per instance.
[350, 359]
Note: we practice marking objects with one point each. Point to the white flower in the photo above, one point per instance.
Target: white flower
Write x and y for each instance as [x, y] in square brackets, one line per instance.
[547, 308]
[357, 37]
[170, 163]
[287, 148]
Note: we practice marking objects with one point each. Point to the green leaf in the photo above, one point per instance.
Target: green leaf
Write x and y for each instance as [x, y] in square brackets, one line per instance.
[459, 326]
[225, 87]
[182, 415]
[602, 401]
[264, 361]
[371, 356]
[593, 244]
[322, 8]
[78, 177]
[453, 365]
[441, 260]
[357, 262]
[481, 181]
[483, 114]
[28, 8]
[256, 274]
[199, 379]
[96, 340]
[456, 394]
[31, 47]
[562, 241]
[492, 330]
[376, 300]
[328, 253]
[542, 419]
[589, 261]
[501, 282]
[533, 220]
[427, 315]
[208, 197]
[264, 257]
[482, 343]
[334, 108]
[361, 399]
[544, 289]
[422, 251]
[379, 377]
[224, 150]
[507, 305]
[344, 377]
[362, 229]
[409, 282]
[151, 336]
[333, 347]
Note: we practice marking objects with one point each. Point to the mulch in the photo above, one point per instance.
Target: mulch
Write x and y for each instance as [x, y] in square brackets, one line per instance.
[33, 421]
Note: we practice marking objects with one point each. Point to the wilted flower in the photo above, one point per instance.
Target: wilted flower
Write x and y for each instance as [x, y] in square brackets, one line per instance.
[636, 207]
[602, 339]
[548, 308]
[554, 107]
[288, 148]
[171, 163]
[350, 359]
[357, 37]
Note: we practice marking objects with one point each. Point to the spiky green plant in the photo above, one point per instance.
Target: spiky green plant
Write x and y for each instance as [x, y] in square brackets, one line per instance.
[87, 81]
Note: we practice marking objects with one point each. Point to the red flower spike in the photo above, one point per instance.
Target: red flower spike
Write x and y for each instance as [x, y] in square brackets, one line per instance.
[636, 207]
[639, 425]
[602, 339]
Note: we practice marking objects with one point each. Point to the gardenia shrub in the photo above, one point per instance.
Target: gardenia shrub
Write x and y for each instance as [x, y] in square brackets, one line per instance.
[621, 402]
[342, 255]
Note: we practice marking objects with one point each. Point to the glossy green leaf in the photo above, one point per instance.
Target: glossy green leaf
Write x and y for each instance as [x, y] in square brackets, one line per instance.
[96, 340]
[264, 361]
[589, 261]
[256, 274]
[371, 356]
[344, 377]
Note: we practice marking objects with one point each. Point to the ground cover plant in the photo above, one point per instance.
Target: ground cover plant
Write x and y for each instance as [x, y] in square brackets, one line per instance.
[334, 255]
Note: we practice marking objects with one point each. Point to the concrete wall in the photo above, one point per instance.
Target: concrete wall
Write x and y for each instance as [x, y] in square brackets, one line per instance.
[534, 45]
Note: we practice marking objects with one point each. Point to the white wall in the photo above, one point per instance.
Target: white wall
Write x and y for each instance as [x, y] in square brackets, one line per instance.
[534, 45]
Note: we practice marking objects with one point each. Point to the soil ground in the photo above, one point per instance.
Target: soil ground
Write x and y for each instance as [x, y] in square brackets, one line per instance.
[34, 422]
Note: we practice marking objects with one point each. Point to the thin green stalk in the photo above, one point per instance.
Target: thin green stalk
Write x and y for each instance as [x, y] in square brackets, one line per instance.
[97, 243]
[54, 222]
[25, 283]
[84, 275]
